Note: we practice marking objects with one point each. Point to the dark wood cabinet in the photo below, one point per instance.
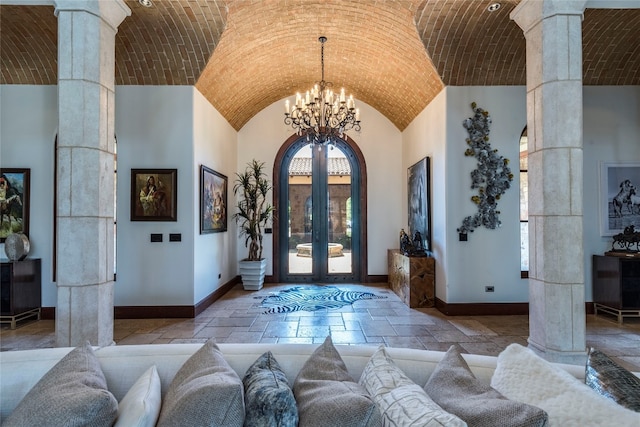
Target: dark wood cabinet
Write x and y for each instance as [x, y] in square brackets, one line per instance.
[616, 285]
[20, 290]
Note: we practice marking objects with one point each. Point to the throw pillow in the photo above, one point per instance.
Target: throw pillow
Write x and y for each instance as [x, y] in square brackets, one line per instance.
[205, 391]
[611, 380]
[453, 386]
[401, 401]
[524, 376]
[327, 395]
[268, 398]
[140, 407]
[72, 393]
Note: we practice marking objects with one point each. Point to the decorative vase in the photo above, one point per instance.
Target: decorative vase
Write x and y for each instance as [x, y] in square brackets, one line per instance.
[16, 246]
[252, 273]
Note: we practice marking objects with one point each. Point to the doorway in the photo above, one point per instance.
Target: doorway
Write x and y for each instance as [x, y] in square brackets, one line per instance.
[320, 211]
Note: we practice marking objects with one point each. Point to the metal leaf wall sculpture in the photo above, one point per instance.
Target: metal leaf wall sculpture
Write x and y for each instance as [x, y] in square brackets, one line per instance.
[492, 178]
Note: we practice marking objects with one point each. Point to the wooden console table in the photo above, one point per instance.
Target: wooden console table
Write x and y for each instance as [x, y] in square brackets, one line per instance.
[616, 286]
[20, 290]
[413, 279]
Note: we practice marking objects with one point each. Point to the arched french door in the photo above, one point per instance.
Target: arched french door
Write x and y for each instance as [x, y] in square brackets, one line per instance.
[321, 209]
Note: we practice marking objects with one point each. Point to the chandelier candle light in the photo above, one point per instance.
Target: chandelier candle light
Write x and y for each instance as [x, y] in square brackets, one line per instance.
[321, 115]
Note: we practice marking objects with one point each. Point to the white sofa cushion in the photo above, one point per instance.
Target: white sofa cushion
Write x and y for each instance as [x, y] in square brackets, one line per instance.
[524, 376]
[140, 407]
[401, 401]
[72, 393]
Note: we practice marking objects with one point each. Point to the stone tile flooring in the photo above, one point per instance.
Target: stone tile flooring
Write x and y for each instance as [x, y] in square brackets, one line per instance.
[238, 317]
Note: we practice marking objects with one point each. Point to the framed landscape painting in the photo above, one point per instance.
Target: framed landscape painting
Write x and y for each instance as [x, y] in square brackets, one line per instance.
[619, 202]
[154, 194]
[213, 201]
[14, 202]
[419, 203]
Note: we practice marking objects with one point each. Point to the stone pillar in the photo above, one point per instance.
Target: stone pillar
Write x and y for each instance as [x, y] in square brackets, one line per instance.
[85, 188]
[553, 32]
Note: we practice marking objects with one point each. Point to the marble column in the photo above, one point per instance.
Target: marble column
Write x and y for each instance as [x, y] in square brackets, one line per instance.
[553, 32]
[85, 186]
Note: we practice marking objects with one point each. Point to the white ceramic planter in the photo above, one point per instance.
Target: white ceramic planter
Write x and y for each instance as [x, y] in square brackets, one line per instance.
[253, 273]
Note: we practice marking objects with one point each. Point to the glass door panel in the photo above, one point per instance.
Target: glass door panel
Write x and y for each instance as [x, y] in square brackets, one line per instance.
[339, 216]
[300, 213]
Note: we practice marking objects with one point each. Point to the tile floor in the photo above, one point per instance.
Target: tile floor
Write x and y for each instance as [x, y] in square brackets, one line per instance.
[238, 317]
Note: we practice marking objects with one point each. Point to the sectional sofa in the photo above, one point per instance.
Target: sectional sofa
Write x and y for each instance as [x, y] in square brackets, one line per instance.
[517, 375]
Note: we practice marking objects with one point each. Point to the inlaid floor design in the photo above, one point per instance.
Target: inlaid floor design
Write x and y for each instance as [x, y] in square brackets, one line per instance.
[238, 317]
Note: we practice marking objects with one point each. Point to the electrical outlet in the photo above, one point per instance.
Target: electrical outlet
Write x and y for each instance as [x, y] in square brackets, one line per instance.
[488, 288]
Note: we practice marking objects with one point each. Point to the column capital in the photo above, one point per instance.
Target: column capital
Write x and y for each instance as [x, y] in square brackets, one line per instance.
[111, 12]
[528, 13]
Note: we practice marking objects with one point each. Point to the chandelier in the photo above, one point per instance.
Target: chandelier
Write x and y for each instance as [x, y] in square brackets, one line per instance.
[320, 115]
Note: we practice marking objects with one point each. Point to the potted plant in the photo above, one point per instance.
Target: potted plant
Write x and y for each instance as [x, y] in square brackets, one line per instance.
[252, 214]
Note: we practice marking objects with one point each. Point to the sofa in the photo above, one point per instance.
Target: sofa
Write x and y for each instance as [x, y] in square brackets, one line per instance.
[123, 365]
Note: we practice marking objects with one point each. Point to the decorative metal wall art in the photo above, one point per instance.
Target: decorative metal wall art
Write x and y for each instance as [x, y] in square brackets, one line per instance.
[492, 177]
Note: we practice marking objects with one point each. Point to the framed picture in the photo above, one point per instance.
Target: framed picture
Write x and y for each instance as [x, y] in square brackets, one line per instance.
[213, 201]
[419, 203]
[14, 202]
[154, 194]
[619, 197]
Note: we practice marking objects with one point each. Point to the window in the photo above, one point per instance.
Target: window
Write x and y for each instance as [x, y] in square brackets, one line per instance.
[524, 206]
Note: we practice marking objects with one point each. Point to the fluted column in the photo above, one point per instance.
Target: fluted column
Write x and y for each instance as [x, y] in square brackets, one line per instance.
[553, 32]
[85, 186]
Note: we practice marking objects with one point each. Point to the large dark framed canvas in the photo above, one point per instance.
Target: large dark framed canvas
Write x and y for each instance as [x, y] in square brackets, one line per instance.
[419, 203]
[619, 197]
[213, 201]
[14, 201]
[154, 194]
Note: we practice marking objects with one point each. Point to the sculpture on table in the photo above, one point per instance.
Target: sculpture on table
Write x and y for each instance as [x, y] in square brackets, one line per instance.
[411, 247]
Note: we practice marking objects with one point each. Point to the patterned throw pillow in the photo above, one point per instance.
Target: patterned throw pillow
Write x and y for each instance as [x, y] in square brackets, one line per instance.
[206, 391]
[327, 395]
[72, 393]
[611, 380]
[453, 386]
[268, 398]
[401, 401]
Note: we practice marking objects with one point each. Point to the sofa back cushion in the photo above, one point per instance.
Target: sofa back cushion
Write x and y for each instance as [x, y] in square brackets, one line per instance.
[327, 395]
[204, 392]
[72, 393]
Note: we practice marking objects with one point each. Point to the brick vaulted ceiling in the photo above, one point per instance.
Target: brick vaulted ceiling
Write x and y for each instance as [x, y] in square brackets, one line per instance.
[243, 55]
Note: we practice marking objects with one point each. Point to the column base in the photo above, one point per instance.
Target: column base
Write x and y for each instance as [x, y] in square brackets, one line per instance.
[555, 356]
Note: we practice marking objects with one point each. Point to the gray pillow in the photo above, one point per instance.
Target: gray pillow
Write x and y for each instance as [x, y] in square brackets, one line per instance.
[72, 393]
[268, 398]
[611, 380]
[206, 391]
[327, 395]
[453, 386]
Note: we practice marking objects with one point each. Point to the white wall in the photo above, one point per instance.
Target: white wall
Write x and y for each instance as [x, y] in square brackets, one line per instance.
[28, 127]
[175, 127]
[611, 129]
[426, 137]
[215, 142]
[381, 145]
[154, 128]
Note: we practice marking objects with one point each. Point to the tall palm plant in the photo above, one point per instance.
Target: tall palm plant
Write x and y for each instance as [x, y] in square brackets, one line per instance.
[252, 211]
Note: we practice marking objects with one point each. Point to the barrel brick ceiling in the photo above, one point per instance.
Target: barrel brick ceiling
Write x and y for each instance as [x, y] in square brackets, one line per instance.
[243, 55]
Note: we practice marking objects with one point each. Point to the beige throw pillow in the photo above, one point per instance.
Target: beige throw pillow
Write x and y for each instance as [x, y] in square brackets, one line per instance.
[72, 393]
[206, 391]
[327, 395]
